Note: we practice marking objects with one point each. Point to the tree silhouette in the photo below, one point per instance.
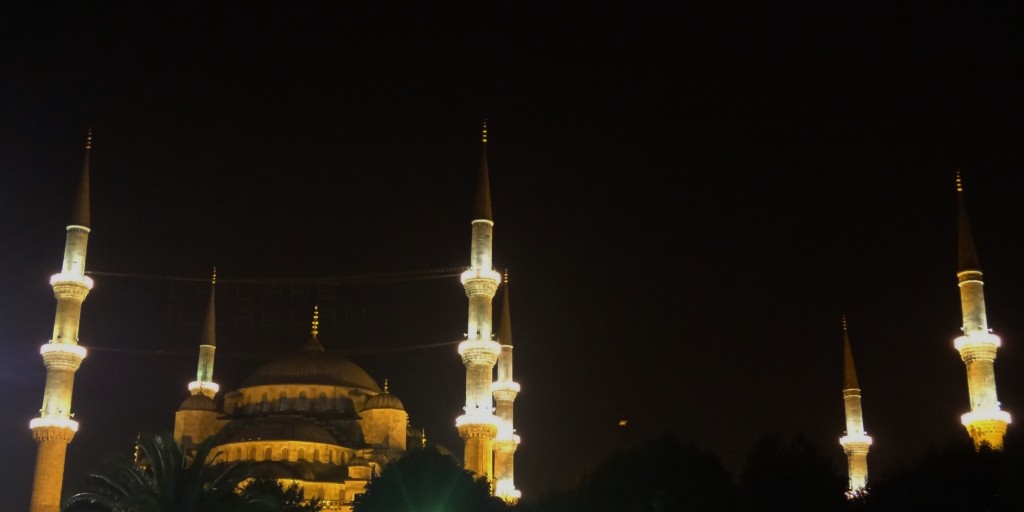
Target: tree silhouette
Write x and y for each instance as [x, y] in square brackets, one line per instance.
[793, 476]
[426, 480]
[165, 480]
[659, 475]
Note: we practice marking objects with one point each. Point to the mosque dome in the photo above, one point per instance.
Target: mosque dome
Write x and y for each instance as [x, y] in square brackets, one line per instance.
[198, 403]
[312, 365]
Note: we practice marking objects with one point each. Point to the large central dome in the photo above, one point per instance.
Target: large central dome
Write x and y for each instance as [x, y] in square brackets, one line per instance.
[312, 365]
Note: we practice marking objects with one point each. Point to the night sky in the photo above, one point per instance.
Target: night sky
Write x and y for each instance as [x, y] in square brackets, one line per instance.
[687, 201]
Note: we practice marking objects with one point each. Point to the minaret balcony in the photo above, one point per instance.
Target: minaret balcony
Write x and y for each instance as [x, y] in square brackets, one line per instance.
[855, 443]
[478, 281]
[506, 490]
[53, 422]
[505, 388]
[62, 356]
[479, 352]
[71, 278]
[985, 415]
[977, 346]
[200, 387]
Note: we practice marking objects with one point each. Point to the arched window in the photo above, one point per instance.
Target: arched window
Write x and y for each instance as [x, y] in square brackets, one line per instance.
[316, 455]
[252, 453]
[284, 454]
[301, 454]
[268, 454]
[321, 402]
[282, 403]
[303, 402]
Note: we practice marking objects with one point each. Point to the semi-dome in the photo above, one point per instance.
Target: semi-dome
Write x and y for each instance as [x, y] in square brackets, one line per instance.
[311, 366]
[300, 431]
[198, 403]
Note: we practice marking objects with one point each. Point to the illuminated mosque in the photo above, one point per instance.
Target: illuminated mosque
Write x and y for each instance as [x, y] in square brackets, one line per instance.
[986, 422]
[313, 418]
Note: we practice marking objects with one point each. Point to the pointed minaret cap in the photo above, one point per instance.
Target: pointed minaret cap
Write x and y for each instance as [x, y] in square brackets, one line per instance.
[210, 324]
[968, 256]
[80, 212]
[482, 203]
[314, 341]
[849, 371]
[505, 332]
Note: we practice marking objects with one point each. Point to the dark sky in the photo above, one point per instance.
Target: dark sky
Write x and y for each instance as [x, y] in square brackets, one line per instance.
[687, 201]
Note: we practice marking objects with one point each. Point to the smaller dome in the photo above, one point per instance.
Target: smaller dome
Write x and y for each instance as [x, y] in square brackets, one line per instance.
[198, 403]
[359, 460]
[383, 400]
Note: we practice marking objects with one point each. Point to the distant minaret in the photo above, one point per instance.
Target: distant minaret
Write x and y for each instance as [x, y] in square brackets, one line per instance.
[204, 384]
[856, 442]
[62, 355]
[478, 426]
[198, 418]
[986, 423]
[505, 390]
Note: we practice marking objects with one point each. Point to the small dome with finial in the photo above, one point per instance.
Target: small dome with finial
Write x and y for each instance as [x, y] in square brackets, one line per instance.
[384, 400]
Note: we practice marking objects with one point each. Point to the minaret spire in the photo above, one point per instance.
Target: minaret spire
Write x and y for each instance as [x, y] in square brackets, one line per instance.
[204, 384]
[856, 442]
[479, 352]
[986, 422]
[80, 212]
[505, 391]
[482, 203]
[53, 429]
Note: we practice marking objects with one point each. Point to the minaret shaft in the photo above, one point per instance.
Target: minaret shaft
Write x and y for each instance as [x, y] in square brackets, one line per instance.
[986, 422]
[53, 429]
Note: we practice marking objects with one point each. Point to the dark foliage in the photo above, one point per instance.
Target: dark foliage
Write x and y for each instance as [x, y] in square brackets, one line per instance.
[793, 476]
[956, 477]
[426, 480]
[290, 497]
[165, 480]
[659, 475]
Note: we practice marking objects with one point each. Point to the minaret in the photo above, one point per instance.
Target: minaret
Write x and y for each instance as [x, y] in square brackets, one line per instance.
[204, 384]
[197, 417]
[478, 426]
[62, 355]
[986, 423]
[856, 442]
[505, 390]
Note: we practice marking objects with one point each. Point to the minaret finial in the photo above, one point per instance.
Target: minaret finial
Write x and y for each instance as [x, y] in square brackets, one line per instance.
[844, 322]
[135, 452]
[213, 279]
[385, 385]
[316, 320]
[88, 139]
[484, 131]
[959, 182]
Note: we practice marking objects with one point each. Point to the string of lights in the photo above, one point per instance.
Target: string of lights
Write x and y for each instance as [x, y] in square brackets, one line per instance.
[383, 277]
[251, 355]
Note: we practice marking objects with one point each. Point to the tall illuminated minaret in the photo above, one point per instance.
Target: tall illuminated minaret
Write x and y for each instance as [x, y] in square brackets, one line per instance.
[856, 442]
[505, 390]
[986, 423]
[204, 384]
[62, 355]
[478, 425]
